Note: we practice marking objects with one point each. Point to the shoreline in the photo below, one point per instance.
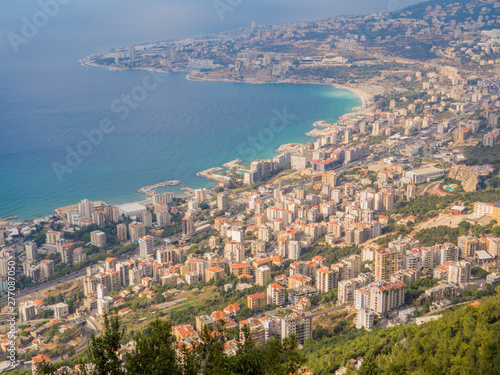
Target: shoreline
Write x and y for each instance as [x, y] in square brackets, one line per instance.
[365, 97]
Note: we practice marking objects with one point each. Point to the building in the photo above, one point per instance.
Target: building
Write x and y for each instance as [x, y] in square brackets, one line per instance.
[364, 319]
[52, 236]
[257, 331]
[98, 238]
[166, 197]
[146, 246]
[38, 360]
[61, 310]
[86, 209]
[276, 294]
[411, 191]
[262, 275]
[215, 273]
[256, 301]
[79, 255]
[387, 262]
[459, 272]
[147, 218]
[31, 250]
[185, 332]
[28, 310]
[46, 269]
[424, 174]
[203, 321]
[298, 324]
[162, 218]
[385, 297]
[222, 201]
[121, 231]
[200, 195]
[187, 228]
[326, 280]
[136, 230]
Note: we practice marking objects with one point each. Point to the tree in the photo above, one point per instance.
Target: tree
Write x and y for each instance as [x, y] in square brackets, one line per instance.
[496, 231]
[102, 351]
[154, 352]
[369, 367]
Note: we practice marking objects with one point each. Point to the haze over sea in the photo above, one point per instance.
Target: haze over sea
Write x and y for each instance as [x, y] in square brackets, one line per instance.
[47, 99]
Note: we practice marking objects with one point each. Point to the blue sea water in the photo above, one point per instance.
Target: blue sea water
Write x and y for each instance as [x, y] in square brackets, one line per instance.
[48, 100]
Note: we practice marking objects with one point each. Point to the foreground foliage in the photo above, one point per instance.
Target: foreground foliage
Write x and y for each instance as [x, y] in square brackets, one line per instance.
[157, 353]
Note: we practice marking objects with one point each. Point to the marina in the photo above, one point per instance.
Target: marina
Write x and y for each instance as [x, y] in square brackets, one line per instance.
[149, 190]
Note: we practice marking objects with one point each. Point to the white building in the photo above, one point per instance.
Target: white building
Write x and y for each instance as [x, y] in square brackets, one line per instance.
[364, 319]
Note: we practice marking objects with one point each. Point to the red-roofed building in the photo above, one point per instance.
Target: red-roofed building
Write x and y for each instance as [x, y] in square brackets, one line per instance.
[232, 310]
[256, 301]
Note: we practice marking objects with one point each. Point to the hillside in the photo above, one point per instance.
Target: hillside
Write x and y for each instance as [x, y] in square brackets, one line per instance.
[463, 341]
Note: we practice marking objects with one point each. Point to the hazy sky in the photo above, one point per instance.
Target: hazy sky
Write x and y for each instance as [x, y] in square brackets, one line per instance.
[105, 23]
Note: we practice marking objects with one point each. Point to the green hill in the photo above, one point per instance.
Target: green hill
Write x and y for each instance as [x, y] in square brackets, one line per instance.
[464, 341]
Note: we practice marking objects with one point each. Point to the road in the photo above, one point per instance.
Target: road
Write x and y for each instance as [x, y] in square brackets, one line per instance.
[50, 284]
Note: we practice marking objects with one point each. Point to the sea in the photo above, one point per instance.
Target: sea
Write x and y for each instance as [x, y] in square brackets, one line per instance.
[66, 136]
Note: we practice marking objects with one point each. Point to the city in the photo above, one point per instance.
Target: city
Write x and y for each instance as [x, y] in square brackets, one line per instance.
[388, 217]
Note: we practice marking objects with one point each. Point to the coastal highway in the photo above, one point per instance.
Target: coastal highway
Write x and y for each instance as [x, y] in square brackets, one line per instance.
[50, 284]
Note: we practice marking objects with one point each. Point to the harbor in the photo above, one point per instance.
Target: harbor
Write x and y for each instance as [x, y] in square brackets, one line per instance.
[150, 190]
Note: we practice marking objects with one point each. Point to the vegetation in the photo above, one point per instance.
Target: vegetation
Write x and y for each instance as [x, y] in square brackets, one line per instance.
[463, 341]
[332, 254]
[440, 234]
[480, 154]
[417, 288]
[155, 353]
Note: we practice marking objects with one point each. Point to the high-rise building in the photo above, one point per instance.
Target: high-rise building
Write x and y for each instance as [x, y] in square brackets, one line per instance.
[46, 269]
[187, 228]
[326, 280]
[123, 269]
[99, 218]
[364, 319]
[387, 262]
[79, 255]
[200, 195]
[131, 53]
[112, 214]
[298, 324]
[147, 219]
[4, 266]
[86, 209]
[388, 202]
[67, 253]
[136, 230]
[411, 191]
[222, 201]
[262, 275]
[121, 231]
[146, 246]
[166, 197]
[459, 272]
[294, 249]
[162, 218]
[98, 238]
[31, 250]
[28, 310]
[52, 236]
[276, 294]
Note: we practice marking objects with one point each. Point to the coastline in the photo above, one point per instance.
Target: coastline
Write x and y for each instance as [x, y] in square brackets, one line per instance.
[364, 96]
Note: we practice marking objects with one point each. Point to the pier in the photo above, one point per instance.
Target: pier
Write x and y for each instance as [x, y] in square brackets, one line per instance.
[211, 174]
[149, 190]
[8, 218]
[233, 164]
